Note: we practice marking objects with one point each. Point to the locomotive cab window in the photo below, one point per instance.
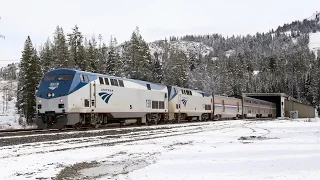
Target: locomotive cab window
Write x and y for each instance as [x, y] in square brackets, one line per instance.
[148, 87]
[175, 90]
[106, 81]
[84, 78]
[114, 82]
[81, 78]
[101, 80]
[121, 83]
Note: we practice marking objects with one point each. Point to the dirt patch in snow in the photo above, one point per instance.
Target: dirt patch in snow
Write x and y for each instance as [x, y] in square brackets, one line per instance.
[117, 167]
[177, 145]
[249, 139]
[71, 172]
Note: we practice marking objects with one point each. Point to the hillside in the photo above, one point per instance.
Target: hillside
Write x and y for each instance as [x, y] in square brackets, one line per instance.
[314, 43]
[208, 45]
[187, 47]
[284, 60]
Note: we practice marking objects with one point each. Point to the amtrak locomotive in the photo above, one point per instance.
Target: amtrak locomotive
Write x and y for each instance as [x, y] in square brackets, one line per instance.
[73, 98]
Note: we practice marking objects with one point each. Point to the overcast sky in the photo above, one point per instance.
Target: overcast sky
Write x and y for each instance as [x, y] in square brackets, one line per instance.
[156, 18]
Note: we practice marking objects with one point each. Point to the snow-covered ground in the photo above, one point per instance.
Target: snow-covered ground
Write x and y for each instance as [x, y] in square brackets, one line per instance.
[9, 119]
[279, 149]
[314, 44]
[8, 116]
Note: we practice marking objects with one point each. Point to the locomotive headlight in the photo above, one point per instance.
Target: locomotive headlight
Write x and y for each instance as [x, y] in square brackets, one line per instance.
[52, 94]
[49, 94]
[39, 101]
[61, 100]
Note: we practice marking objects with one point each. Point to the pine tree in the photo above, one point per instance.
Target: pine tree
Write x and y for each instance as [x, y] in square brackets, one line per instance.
[102, 58]
[60, 51]
[92, 55]
[29, 76]
[157, 69]
[46, 57]
[137, 58]
[176, 71]
[113, 66]
[26, 57]
[192, 61]
[77, 52]
[101, 55]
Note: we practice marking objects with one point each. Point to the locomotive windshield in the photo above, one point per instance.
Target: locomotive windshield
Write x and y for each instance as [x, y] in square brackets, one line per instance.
[61, 77]
[65, 77]
[49, 77]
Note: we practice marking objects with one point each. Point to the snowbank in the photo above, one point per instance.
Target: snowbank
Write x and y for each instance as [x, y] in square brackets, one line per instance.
[314, 44]
[279, 149]
[8, 117]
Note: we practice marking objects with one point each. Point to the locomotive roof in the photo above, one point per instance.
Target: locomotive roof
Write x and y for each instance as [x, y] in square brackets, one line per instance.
[66, 70]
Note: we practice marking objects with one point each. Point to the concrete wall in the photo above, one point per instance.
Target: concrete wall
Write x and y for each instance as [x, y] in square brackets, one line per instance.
[304, 111]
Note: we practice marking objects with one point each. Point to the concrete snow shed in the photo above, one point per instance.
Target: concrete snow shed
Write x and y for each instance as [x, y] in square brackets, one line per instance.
[285, 104]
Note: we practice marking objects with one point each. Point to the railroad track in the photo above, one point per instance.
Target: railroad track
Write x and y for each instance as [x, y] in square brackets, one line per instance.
[36, 131]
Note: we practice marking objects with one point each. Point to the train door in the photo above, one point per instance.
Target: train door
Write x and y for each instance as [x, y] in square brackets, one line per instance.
[86, 97]
[93, 94]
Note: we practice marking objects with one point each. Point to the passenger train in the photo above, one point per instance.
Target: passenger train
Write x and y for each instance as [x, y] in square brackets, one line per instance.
[73, 98]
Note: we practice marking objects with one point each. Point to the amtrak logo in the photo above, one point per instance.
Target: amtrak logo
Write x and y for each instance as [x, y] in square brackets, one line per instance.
[184, 101]
[105, 96]
[53, 86]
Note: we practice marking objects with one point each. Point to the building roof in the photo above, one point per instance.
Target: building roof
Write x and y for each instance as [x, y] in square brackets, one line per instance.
[265, 94]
